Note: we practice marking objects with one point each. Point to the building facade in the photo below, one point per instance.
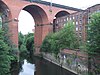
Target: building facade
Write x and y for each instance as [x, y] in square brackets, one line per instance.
[79, 19]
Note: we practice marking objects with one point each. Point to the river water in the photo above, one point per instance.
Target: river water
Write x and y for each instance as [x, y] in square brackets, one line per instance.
[42, 67]
[27, 68]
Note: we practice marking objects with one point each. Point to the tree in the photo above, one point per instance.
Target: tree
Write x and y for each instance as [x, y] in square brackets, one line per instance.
[93, 44]
[65, 38]
[26, 45]
[23, 52]
[30, 44]
[22, 46]
[46, 45]
[21, 39]
[68, 37]
[5, 58]
[6, 49]
[6, 38]
[93, 41]
[29, 35]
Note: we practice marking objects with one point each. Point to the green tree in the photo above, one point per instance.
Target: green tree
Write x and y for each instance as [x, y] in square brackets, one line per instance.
[93, 41]
[6, 38]
[5, 58]
[68, 37]
[23, 52]
[28, 35]
[46, 45]
[65, 38]
[30, 44]
[22, 46]
[6, 48]
[21, 39]
[26, 45]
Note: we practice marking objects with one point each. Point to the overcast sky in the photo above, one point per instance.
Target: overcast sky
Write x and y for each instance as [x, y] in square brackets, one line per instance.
[82, 4]
[26, 22]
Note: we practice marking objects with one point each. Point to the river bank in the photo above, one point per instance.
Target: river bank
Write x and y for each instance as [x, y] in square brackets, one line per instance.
[71, 65]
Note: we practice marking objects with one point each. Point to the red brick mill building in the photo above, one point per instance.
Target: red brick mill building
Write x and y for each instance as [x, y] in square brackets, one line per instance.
[79, 19]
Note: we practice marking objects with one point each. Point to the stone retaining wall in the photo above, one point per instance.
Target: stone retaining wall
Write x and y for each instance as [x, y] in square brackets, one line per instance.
[71, 62]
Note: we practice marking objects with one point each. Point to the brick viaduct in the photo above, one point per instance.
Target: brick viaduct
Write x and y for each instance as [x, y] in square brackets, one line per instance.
[42, 13]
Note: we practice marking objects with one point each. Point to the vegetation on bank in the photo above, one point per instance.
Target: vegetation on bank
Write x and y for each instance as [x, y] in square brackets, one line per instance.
[7, 50]
[25, 45]
[4, 56]
[93, 40]
[65, 38]
[93, 44]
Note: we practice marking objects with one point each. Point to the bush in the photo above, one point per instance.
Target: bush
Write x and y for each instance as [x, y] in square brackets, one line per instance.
[4, 58]
[93, 44]
[65, 38]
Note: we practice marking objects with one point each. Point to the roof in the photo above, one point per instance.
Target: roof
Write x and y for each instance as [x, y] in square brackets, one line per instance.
[55, 5]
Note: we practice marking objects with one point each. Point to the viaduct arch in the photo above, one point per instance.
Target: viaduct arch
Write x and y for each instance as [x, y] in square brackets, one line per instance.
[42, 13]
[41, 20]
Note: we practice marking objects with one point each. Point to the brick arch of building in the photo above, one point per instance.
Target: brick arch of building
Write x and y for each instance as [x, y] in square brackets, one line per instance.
[41, 13]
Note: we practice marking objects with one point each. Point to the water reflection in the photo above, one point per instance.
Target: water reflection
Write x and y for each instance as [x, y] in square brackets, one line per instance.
[42, 67]
[27, 68]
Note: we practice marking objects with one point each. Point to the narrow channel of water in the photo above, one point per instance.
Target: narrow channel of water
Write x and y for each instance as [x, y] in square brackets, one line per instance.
[42, 67]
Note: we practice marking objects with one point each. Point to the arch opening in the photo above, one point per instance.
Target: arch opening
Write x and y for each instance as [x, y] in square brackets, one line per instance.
[26, 23]
[37, 13]
[4, 14]
[40, 20]
[60, 14]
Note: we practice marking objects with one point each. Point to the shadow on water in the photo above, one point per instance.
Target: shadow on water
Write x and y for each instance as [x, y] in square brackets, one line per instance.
[44, 67]
[39, 66]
